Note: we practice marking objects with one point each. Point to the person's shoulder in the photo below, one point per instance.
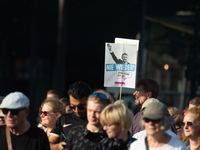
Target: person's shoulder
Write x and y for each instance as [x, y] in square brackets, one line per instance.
[137, 143]
[169, 132]
[140, 113]
[175, 142]
[66, 117]
[140, 134]
[36, 129]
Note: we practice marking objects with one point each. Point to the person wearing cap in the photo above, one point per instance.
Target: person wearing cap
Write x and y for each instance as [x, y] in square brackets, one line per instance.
[89, 135]
[145, 89]
[22, 135]
[78, 93]
[155, 123]
[143, 133]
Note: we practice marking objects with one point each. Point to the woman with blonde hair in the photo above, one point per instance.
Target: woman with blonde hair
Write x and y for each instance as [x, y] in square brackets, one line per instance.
[116, 120]
[191, 129]
[50, 111]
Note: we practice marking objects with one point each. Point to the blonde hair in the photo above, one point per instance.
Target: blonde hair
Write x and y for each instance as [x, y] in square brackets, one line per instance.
[174, 111]
[117, 114]
[96, 98]
[56, 106]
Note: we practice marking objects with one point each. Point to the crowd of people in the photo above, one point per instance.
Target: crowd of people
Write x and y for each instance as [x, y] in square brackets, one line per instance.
[94, 120]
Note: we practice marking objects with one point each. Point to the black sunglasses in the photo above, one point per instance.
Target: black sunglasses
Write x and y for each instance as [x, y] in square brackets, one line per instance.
[12, 111]
[188, 124]
[80, 107]
[153, 121]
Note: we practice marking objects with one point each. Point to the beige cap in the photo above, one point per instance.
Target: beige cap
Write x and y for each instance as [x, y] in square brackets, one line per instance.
[149, 101]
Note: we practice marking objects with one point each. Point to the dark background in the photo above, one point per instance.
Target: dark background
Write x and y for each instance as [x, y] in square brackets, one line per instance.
[37, 53]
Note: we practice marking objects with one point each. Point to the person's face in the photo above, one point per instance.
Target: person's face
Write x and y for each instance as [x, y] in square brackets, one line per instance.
[191, 128]
[93, 112]
[15, 120]
[191, 106]
[140, 96]
[68, 110]
[48, 117]
[124, 58]
[152, 127]
[78, 105]
[113, 130]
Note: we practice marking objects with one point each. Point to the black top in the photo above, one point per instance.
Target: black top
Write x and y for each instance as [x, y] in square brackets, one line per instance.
[33, 139]
[65, 123]
[111, 144]
[82, 139]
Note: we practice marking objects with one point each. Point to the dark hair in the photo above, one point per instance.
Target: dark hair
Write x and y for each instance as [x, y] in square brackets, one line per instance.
[124, 54]
[79, 90]
[149, 85]
[65, 101]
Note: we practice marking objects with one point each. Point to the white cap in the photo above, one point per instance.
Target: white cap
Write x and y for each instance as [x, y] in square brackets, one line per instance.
[15, 100]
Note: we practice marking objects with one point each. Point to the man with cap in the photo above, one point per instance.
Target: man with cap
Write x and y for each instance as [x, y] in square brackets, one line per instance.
[156, 120]
[145, 89]
[18, 133]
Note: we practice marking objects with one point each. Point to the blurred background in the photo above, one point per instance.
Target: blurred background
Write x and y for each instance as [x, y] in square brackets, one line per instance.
[50, 44]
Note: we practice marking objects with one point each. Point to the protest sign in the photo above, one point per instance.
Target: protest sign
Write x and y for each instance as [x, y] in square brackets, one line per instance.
[120, 65]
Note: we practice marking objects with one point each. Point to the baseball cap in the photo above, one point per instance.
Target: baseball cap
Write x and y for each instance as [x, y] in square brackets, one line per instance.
[148, 101]
[15, 100]
[155, 111]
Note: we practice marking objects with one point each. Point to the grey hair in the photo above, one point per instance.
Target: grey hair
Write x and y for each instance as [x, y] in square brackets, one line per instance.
[168, 121]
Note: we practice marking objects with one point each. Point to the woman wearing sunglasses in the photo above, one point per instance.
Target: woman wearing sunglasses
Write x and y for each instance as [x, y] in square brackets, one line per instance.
[87, 137]
[156, 120]
[191, 129]
[116, 120]
[50, 111]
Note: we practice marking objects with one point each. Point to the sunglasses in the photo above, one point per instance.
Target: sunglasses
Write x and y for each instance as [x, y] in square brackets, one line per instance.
[45, 113]
[80, 107]
[100, 95]
[188, 124]
[153, 121]
[12, 111]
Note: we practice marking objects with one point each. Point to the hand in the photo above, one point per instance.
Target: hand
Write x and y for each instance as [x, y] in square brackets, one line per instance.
[109, 48]
[62, 145]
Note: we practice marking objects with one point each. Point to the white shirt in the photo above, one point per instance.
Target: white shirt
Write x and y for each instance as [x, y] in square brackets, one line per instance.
[143, 134]
[173, 144]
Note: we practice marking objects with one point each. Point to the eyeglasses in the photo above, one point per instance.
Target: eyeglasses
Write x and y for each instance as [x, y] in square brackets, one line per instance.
[46, 113]
[139, 90]
[188, 124]
[80, 107]
[100, 95]
[179, 127]
[153, 121]
[12, 111]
